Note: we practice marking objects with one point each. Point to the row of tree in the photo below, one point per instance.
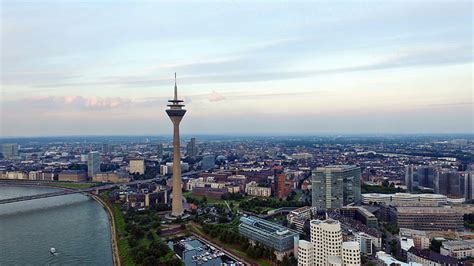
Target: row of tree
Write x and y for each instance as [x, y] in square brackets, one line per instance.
[230, 236]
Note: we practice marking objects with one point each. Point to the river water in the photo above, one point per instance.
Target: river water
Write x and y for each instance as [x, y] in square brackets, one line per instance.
[75, 225]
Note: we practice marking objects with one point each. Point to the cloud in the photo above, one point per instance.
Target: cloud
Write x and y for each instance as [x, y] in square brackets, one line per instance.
[73, 102]
[216, 97]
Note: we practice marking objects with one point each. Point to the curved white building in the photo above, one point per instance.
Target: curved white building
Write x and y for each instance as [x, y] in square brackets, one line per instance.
[326, 237]
[351, 253]
[305, 253]
[326, 246]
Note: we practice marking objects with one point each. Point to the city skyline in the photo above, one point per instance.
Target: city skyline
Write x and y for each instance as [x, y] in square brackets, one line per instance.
[309, 68]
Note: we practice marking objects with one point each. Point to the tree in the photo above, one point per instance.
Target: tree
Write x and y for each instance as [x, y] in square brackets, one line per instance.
[436, 245]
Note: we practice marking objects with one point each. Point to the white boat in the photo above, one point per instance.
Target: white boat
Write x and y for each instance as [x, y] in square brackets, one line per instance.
[52, 250]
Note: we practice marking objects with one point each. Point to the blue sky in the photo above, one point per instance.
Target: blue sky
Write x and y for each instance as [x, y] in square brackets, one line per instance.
[265, 67]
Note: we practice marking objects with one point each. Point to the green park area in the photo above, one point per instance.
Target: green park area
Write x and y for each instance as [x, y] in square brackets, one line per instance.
[138, 237]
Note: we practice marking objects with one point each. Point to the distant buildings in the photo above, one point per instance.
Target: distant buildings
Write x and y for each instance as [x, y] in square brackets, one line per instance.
[420, 176]
[335, 186]
[409, 176]
[449, 183]
[159, 150]
[191, 148]
[428, 257]
[14, 175]
[72, 175]
[469, 186]
[253, 189]
[327, 247]
[426, 176]
[267, 233]
[426, 218]
[137, 166]
[208, 162]
[41, 175]
[405, 199]
[112, 177]
[168, 168]
[93, 163]
[107, 148]
[281, 190]
[9, 150]
[443, 181]
[460, 249]
[302, 156]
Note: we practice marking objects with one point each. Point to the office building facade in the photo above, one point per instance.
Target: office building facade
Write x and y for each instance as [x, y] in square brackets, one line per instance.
[9, 150]
[267, 233]
[469, 186]
[338, 185]
[426, 218]
[449, 183]
[93, 163]
[208, 162]
[191, 148]
[137, 166]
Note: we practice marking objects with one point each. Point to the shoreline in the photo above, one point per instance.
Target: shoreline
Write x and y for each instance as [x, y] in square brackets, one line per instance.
[113, 231]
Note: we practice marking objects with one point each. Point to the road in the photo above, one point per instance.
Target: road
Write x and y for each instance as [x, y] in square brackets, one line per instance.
[67, 191]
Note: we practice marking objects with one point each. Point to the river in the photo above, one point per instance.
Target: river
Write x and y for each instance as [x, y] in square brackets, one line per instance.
[77, 226]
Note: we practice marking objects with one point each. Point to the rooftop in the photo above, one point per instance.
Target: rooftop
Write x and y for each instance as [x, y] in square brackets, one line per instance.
[270, 228]
[433, 256]
[459, 244]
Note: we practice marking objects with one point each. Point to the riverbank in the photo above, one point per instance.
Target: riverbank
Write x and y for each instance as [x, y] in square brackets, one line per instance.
[113, 231]
[76, 226]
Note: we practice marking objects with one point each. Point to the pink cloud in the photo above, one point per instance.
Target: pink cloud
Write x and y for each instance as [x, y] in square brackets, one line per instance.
[216, 97]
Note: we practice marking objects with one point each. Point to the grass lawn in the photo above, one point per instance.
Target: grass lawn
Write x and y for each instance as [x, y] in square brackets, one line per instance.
[122, 235]
[209, 200]
[213, 201]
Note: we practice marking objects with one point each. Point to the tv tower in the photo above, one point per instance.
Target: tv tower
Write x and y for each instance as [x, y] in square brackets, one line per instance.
[176, 113]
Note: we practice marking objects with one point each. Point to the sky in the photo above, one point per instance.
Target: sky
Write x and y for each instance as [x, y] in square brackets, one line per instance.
[243, 67]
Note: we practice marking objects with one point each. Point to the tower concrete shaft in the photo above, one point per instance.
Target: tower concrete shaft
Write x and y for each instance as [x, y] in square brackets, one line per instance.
[177, 203]
[176, 113]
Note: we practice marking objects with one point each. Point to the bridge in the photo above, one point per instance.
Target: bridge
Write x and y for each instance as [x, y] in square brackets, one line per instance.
[67, 191]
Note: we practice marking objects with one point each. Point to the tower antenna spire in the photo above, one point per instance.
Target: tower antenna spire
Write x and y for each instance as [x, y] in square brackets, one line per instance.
[175, 88]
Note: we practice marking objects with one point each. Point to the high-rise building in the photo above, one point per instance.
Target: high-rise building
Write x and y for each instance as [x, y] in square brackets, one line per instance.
[208, 162]
[176, 114]
[191, 148]
[137, 166]
[469, 186]
[9, 150]
[449, 182]
[426, 176]
[327, 247]
[93, 163]
[280, 189]
[159, 150]
[338, 185]
[105, 148]
[409, 172]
